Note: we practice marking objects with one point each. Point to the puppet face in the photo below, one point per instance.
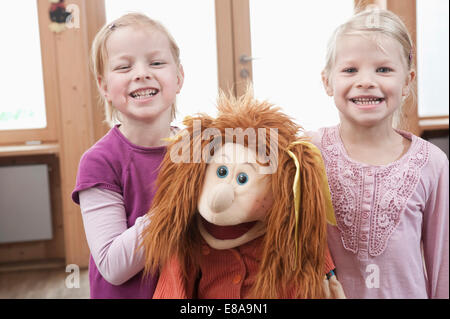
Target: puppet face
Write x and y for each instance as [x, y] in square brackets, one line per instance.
[235, 198]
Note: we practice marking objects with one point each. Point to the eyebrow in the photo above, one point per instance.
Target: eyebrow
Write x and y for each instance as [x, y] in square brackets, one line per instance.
[121, 57]
[128, 56]
[384, 61]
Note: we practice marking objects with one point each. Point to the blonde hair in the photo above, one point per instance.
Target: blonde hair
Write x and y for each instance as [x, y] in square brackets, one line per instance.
[99, 54]
[374, 22]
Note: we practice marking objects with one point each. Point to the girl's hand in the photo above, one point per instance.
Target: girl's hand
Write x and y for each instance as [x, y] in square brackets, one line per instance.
[333, 288]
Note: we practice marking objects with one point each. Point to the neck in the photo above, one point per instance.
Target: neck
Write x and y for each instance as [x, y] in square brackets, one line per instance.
[146, 134]
[375, 136]
[378, 145]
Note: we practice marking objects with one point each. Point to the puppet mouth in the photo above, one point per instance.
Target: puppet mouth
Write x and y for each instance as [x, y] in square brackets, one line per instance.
[227, 232]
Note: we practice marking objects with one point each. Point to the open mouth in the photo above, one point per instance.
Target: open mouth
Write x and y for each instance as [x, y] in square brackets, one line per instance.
[144, 93]
[367, 100]
[227, 232]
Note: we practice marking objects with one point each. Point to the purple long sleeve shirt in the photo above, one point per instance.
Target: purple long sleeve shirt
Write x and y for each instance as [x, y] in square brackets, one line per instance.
[117, 165]
[391, 238]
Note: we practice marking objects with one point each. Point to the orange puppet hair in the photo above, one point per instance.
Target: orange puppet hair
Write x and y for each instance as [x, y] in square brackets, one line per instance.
[172, 231]
[282, 268]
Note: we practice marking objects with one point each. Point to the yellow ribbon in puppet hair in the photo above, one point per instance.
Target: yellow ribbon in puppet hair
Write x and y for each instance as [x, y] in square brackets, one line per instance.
[170, 139]
[331, 219]
[176, 137]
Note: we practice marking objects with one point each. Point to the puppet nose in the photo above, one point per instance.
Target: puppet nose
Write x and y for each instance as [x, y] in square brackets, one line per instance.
[221, 197]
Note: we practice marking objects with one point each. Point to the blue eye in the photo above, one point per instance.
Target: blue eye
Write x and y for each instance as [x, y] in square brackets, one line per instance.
[242, 178]
[384, 70]
[349, 70]
[222, 172]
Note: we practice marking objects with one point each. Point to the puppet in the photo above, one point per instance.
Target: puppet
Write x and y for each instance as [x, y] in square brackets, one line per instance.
[241, 209]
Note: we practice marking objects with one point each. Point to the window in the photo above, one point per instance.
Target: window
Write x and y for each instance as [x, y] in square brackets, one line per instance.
[432, 57]
[29, 83]
[22, 86]
[289, 42]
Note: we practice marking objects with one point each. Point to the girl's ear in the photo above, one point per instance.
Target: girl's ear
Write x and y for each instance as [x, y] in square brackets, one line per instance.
[102, 87]
[409, 79]
[180, 77]
[326, 83]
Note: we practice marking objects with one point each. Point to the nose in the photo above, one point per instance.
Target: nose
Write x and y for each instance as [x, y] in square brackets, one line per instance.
[220, 197]
[140, 77]
[365, 81]
[142, 72]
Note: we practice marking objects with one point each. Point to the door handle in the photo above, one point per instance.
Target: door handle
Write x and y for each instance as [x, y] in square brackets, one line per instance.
[243, 59]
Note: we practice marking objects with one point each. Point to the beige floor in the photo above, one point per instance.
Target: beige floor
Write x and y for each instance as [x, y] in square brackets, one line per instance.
[43, 284]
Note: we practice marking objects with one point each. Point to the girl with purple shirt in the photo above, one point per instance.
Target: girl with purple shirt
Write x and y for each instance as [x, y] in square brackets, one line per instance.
[138, 72]
[389, 187]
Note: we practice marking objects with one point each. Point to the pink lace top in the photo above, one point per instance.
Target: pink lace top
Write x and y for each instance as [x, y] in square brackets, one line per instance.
[385, 214]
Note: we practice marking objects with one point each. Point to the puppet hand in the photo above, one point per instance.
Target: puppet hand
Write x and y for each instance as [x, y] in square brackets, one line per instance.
[333, 288]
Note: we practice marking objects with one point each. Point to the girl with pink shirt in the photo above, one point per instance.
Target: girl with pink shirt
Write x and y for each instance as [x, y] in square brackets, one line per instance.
[137, 67]
[389, 187]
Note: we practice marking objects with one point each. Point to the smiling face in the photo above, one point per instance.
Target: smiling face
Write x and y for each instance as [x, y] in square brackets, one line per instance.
[368, 80]
[141, 77]
[235, 198]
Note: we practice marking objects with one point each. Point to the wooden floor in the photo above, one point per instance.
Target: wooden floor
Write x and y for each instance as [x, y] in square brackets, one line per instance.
[50, 283]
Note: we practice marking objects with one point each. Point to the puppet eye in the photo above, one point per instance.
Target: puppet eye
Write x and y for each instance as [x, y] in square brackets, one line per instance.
[242, 178]
[222, 171]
